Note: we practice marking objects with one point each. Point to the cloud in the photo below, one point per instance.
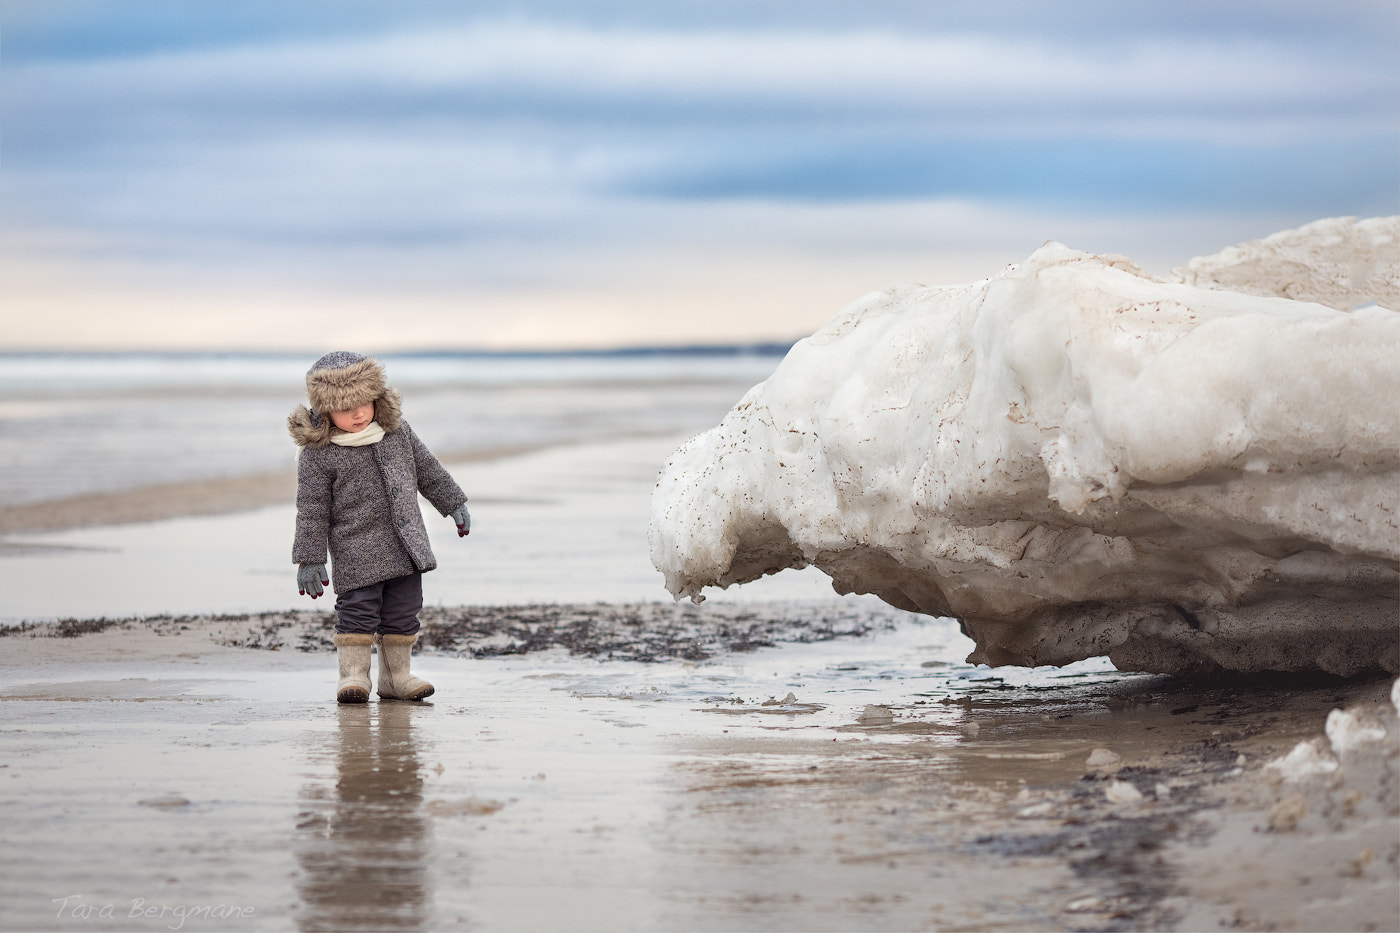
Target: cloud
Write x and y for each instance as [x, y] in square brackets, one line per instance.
[455, 125]
[578, 143]
[519, 70]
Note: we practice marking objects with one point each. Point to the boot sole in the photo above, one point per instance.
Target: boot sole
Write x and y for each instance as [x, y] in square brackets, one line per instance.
[421, 695]
[353, 695]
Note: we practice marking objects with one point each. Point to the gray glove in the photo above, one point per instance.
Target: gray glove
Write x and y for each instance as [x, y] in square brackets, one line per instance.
[463, 520]
[311, 578]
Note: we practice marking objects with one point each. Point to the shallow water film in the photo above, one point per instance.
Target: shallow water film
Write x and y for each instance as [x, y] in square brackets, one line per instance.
[158, 777]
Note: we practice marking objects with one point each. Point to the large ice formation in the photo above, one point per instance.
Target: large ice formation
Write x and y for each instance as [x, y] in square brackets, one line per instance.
[1075, 458]
[1336, 262]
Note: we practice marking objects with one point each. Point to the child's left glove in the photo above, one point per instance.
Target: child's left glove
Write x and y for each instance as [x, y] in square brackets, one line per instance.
[311, 578]
[463, 520]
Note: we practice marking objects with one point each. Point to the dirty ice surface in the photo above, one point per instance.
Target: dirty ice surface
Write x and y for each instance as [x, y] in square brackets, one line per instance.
[1078, 459]
[1338, 262]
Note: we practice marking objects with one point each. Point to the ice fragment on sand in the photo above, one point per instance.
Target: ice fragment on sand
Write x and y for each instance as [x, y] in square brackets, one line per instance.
[875, 715]
[1075, 458]
[1305, 761]
[785, 701]
[1395, 696]
[1347, 730]
[1102, 758]
[1122, 792]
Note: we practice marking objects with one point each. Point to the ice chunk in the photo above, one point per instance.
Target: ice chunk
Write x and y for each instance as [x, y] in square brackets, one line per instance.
[1103, 758]
[1337, 262]
[874, 715]
[1074, 459]
[1305, 761]
[1350, 729]
[1122, 792]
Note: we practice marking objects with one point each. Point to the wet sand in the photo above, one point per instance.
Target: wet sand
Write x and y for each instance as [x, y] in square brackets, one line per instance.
[598, 757]
[771, 766]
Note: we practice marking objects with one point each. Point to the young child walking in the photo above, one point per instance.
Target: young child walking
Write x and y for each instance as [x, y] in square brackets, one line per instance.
[360, 469]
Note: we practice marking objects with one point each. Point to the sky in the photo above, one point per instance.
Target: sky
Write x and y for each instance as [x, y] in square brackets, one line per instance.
[436, 176]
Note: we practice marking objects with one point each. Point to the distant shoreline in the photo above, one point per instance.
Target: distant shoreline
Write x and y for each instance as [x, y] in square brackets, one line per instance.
[752, 348]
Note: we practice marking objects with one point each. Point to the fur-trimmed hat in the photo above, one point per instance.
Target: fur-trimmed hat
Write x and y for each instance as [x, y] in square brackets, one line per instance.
[339, 381]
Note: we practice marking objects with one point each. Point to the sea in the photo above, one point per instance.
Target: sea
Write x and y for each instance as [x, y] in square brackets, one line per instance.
[81, 423]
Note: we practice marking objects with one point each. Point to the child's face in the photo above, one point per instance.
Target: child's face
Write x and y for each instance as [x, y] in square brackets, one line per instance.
[355, 420]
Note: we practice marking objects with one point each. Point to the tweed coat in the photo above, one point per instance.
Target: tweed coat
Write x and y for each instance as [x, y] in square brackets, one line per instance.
[361, 503]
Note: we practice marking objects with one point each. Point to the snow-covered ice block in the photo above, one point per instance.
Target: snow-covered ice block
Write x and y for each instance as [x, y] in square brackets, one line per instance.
[1074, 459]
[1339, 262]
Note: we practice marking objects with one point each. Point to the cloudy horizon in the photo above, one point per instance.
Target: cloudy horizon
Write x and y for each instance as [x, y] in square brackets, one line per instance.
[427, 175]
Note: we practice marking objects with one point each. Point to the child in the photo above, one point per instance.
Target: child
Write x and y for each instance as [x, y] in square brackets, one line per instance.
[360, 468]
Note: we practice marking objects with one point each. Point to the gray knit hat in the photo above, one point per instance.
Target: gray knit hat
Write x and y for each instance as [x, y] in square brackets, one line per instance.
[339, 381]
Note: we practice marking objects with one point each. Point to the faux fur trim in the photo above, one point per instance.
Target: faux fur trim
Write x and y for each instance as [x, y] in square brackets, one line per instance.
[345, 387]
[384, 639]
[307, 430]
[388, 410]
[314, 430]
[353, 640]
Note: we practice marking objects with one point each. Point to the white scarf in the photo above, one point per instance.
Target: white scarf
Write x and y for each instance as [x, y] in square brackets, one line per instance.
[371, 433]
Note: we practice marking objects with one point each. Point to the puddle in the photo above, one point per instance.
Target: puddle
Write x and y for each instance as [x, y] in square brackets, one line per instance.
[870, 782]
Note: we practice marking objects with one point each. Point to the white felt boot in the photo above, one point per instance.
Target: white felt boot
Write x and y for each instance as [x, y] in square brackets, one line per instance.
[395, 681]
[354, 667]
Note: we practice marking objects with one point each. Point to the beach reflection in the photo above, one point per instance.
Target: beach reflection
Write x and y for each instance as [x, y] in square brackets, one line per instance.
[363, 845]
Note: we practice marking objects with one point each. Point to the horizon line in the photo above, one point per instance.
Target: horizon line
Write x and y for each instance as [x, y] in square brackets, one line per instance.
[737, 348]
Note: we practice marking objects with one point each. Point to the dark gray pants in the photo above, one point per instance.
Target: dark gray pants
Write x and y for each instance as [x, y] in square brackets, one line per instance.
[389, 608]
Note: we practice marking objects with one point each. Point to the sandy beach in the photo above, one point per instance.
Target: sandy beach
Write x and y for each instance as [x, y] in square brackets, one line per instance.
[599, 757]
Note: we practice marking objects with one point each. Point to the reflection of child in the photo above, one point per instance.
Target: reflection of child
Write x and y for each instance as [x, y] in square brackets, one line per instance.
[360, 469]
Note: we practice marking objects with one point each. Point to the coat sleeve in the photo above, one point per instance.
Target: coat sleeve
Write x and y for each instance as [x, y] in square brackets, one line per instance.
[313, 509]
[434, 482]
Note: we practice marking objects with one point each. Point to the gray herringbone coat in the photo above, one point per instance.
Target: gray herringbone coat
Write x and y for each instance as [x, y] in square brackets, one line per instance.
[361, 503]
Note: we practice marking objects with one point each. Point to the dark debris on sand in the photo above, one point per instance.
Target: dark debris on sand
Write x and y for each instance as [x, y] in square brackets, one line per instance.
[639, 631]
[606, 631]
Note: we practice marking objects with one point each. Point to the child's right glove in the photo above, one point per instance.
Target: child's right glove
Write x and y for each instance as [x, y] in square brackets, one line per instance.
[311, 578]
